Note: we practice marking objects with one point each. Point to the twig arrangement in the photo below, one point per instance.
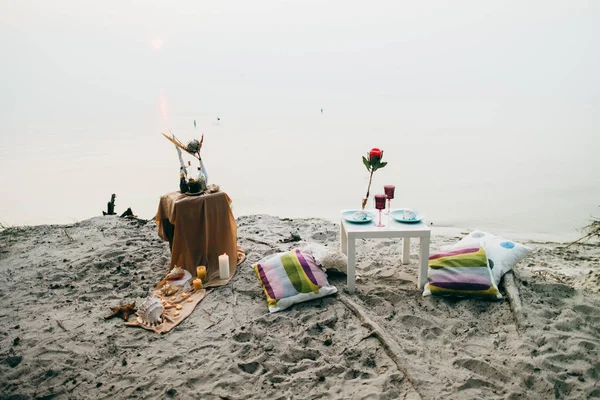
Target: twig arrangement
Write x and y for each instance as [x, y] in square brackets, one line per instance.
[592, 232]
[187, 183]
[192, 147]
[546, 274]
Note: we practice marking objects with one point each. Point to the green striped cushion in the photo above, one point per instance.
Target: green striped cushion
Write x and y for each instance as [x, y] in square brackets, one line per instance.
[461, 272]
[291, 277]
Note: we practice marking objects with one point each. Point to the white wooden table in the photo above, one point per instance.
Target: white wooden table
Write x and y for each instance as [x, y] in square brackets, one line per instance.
[349, 232]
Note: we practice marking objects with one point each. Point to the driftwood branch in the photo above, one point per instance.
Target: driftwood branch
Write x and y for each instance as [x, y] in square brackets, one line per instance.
[259, 241]
[127, 213]
[67, 234]
[514, 298]
[390, 345]
[592, 231]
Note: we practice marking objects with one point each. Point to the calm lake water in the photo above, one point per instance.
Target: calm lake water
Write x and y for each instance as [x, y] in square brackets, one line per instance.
[488, 114]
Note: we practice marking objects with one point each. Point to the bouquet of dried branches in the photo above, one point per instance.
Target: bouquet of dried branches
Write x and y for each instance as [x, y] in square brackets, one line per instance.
[187, 182]
[193, 147]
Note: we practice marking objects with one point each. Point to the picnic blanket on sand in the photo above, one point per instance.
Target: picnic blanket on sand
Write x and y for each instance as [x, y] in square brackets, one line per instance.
[187, 300]
[170, 319]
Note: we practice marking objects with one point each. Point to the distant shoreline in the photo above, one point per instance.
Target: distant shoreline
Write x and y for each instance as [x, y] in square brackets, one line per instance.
[444, 231]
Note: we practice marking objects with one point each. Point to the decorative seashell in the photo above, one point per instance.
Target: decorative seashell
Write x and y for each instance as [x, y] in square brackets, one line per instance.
[176, 273]
[359, 216]
[150, 311]
[409, 215]
[168, 289]
[212, 188]
[168, 305]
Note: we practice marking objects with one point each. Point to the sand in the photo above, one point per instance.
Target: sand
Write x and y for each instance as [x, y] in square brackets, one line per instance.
[59, 282]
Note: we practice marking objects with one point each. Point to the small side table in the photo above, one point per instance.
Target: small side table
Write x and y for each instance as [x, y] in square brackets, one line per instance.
[350, 231]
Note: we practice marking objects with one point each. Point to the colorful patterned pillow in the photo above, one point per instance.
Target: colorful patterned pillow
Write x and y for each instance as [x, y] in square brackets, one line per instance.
[290, 278]
[461, 272]
[502, 253]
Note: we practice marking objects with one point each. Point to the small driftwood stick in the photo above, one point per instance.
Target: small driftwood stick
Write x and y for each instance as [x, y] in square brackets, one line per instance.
[69, 236]
[175, 141]
[233, 294]
[259, 241]
[127, 212]
[514, 298]
[110, 206]
[59, 322]
[391, 347]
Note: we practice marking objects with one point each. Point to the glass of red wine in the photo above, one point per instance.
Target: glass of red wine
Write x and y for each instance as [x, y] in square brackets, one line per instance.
[389, 192]
[380, 205]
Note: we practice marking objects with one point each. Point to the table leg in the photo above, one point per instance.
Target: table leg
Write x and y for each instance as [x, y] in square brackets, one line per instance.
[406, 250]
[351, 265]
[423, 261]
[343, 239]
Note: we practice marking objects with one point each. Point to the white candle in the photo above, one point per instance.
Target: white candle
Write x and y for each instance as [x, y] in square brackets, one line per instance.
[224, 266]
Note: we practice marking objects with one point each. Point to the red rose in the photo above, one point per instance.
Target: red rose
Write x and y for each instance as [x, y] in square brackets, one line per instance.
[374, 155]
[372, 163]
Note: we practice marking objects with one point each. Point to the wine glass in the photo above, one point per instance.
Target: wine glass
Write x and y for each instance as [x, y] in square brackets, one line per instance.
[389, 192]
[380, 205]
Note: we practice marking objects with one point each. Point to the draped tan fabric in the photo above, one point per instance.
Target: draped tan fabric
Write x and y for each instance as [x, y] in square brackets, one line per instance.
[199, 229]
[170, 320]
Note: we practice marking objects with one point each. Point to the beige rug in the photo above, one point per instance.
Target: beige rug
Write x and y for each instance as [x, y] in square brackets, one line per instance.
[180, 305]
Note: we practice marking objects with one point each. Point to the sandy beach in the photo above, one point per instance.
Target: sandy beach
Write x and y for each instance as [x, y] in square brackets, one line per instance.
[60, 280]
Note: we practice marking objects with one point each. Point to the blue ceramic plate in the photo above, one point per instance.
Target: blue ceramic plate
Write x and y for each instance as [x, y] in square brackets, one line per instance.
[398, 215]
[349, 216]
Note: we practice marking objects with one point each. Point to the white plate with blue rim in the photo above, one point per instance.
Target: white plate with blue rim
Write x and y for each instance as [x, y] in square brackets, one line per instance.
[358, 216]
[411, 218]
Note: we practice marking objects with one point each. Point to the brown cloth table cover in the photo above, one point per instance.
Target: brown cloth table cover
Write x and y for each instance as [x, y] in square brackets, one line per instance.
[199, 229]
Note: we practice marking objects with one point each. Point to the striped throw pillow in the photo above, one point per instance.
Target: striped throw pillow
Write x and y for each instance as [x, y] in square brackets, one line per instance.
[290, 278]
[461, 272]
